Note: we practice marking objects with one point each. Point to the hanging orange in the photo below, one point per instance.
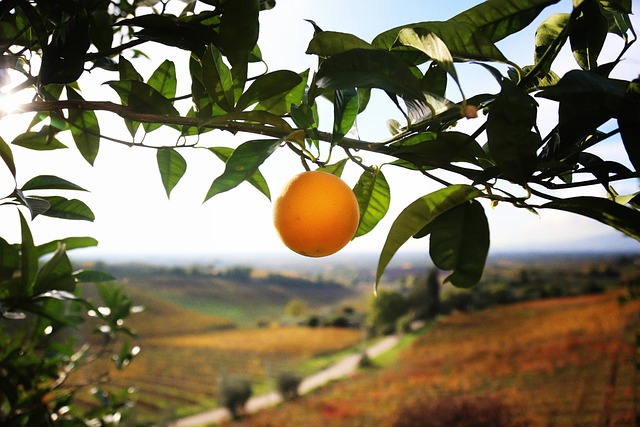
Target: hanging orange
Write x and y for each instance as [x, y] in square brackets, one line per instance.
[317, 214]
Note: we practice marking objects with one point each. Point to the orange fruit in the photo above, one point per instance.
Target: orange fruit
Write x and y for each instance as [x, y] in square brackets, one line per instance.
[316, 214]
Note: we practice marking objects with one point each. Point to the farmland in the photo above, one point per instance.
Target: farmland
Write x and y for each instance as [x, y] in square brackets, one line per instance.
[561, 362]
[544, 361]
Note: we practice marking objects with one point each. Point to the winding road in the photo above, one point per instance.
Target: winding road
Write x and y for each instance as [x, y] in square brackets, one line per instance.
[340, 369]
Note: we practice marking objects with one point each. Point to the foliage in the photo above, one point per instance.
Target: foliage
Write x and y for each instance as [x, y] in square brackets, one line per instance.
[50, 48]
[385, 310]
[288, 383]
[235, 392]
[44, 318]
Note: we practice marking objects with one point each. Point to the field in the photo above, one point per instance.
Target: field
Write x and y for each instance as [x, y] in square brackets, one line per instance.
[561, 362]
[185, 353]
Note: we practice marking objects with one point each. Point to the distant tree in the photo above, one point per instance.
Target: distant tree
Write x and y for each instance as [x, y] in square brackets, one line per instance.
[384, 311]
[235, 392]
[296, 307]
[288, 384]
[424, 296]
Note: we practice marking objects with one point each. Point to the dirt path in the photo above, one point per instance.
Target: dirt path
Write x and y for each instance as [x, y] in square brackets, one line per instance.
[341, 369]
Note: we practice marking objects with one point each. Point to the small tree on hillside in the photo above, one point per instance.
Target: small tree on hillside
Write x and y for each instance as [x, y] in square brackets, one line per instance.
[384, 311]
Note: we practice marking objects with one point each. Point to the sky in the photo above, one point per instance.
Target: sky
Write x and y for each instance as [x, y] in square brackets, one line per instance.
[134, 217]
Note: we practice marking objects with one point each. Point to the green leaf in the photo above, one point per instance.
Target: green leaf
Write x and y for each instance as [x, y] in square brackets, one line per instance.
[142, 98]
[163, 80]
[276, 84]
[217, 79]
[460, 242]
[50, 182]
[374, 196]
[28, 258]
[283, 103]
[35, 205]
[64, 57]
[9, 259]
[7, 156]
[498, 19]
[431, 45]
[435, 80]
[549, 41]
[100, 29]
[463, 40]
[624, 219]
[512, 143]
[126, 71]
[55, 274]
[84, 129]
[239, 29]
[336, 168]
[588, 34]
[257, 180]
[629, 122]
[74, 209]
[368, 69]
[242, 164]
[92, 276]
[329, 43]
[417, 215]
[172, 167]
[346, 105]
[69, 244]
[41, 140]
[437, 149]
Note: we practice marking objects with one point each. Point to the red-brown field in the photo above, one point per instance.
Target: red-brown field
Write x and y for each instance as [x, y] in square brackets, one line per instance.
[563, 362]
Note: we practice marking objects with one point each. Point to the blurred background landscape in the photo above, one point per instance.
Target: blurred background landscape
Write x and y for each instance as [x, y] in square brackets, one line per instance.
[544, 339]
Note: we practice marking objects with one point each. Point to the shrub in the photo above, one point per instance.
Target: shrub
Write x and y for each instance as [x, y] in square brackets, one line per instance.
[235, 392]
[458, 412]
[288, 383]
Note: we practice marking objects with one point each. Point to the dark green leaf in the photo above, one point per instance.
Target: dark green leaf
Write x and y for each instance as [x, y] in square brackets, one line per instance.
[629, 122]
[549, 40]
[588, 34]
[101, 29]
[9, 259]
[276, 84]
[374, 195]
[431, 45]
[329, 43]
[217, 79]
[437, 149]
[498, 19]
[368, 69]
[239, 29]
[55, 274]
[512, 143]
[92, 276]
[242, 164]
[64, 57]
[172, 167]
[435, 80]
[7, 156]
[624, 219]
[460, 242]
[50, 182]
[84, 129]
[257, 180]
[36, 205]
[417, 215]
[60, 207]
[142, 98]
[28, 259]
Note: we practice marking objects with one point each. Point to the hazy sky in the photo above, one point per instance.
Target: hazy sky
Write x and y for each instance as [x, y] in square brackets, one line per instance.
[134, 216]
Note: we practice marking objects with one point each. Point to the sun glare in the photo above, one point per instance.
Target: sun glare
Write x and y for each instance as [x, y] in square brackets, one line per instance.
[10, 97]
